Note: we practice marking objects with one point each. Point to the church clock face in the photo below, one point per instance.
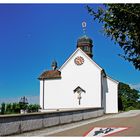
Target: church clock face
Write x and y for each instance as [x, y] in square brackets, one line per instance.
[79, 60]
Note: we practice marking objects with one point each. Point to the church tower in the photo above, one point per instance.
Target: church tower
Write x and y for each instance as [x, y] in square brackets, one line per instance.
[85, 43]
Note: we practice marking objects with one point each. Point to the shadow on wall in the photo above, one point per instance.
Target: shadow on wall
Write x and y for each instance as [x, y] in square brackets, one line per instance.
[104, 91]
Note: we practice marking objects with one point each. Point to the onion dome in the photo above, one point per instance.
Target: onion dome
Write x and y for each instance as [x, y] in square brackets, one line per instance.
[84, 39]
[85, 43]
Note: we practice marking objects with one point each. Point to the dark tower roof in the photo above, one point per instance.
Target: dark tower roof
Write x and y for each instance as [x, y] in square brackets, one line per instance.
[85, 43]
[84, 39]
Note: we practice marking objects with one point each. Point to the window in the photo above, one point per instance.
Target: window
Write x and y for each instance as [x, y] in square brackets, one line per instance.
[86, 48]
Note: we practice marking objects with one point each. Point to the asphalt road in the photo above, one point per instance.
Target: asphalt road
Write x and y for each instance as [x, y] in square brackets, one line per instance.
[132, 122]
[129, 119]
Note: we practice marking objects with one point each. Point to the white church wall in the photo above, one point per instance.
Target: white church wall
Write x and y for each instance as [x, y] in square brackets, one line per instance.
[59, 93]
[104, 87]
[52, 94]
[41, 93]
[111, 96]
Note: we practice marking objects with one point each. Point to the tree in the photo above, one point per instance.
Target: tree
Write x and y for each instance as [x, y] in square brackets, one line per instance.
[33, 108]
[12, 108]
[3, 108]
[138, 105]
[16, 108]
[23, 106]
[8, 108]
[121, 23]
[128, 97]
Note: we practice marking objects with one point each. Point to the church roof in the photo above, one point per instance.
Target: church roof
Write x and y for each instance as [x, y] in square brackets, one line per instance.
[78, 49]
[51, 74]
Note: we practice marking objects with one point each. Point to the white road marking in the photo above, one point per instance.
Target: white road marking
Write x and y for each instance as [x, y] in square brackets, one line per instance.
[104, 131]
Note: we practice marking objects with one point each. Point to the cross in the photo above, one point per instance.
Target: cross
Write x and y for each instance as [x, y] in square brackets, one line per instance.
[84, 24]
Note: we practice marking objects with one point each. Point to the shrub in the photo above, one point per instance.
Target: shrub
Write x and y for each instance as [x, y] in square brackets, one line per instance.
[33, 108]
[130, 108]
[3, 108]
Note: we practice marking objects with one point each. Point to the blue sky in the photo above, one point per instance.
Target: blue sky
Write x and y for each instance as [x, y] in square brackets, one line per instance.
[31, 36]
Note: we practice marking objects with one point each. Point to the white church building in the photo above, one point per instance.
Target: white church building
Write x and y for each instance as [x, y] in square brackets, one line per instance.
[79, 83]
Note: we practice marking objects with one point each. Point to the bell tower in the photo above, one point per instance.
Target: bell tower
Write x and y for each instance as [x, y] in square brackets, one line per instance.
[85, 43]
[54, 65]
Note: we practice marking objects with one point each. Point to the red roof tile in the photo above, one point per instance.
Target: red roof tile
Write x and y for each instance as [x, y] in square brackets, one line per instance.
[51, 74]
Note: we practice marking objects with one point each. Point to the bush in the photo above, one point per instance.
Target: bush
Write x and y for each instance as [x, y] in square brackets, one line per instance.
[130, 108]
[3, 108]
[8, 108]
[138, 105]
[33, 108]
[14, 108]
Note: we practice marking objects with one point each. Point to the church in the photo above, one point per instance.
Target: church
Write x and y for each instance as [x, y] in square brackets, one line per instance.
[79, 83]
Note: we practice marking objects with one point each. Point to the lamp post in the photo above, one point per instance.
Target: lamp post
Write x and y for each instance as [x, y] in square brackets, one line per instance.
[23, 104]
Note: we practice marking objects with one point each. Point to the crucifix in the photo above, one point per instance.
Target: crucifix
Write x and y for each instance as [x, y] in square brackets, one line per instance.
[79, 91]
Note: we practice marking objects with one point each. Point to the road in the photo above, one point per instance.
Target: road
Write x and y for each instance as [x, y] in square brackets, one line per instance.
[130, 120]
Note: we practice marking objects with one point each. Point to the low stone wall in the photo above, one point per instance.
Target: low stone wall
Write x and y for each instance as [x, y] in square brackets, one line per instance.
[15, 124]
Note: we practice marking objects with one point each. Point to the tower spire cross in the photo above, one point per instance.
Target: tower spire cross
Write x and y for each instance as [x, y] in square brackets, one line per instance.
[84, 24]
